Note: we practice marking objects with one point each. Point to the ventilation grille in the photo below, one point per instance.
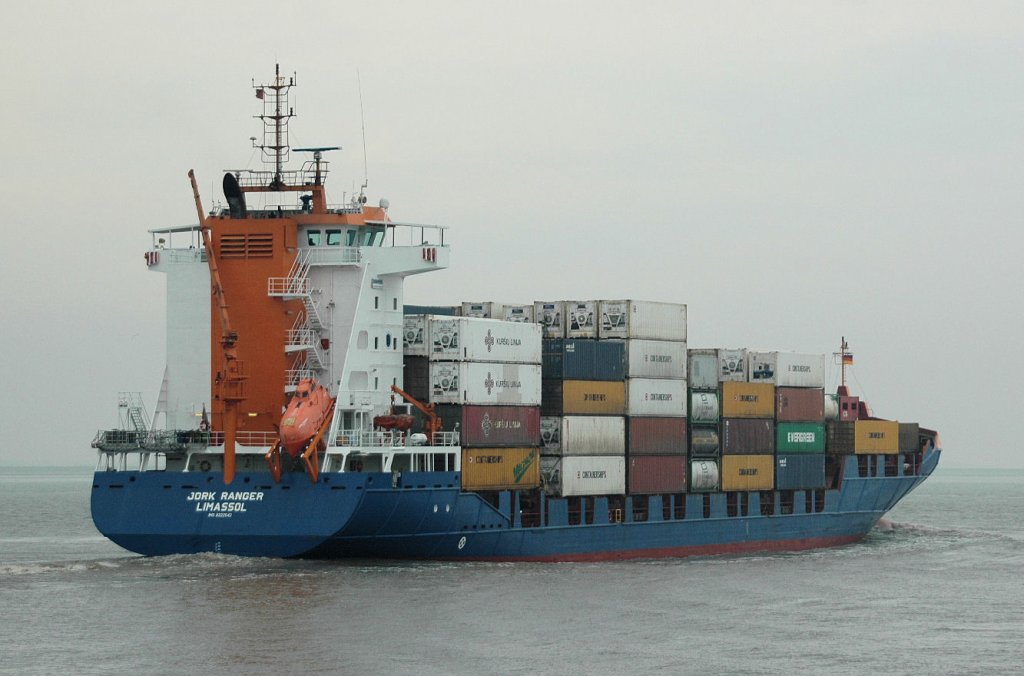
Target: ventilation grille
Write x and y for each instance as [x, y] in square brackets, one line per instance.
[251, 245]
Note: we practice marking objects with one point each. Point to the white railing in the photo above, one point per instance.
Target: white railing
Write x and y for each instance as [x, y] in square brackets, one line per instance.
[182, 255]
[287, 286]
[331, 255]
[308, 340]
[389, 439]
[370, 438]
[293, 376]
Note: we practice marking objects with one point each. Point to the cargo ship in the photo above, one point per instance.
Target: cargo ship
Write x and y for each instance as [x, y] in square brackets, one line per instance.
[307, 411]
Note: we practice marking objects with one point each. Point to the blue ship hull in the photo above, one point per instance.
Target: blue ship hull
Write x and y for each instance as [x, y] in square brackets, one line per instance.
[427, 516]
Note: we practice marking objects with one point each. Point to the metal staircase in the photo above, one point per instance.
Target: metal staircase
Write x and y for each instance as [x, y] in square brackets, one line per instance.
[304, 337]
[132, 412]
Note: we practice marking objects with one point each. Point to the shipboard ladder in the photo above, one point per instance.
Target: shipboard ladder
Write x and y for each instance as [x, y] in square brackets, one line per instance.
[304, 336]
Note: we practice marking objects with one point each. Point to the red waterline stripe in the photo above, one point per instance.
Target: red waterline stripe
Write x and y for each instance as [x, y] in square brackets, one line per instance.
[682, 552]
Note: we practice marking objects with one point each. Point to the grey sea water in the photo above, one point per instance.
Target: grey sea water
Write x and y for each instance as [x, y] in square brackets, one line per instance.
[940, 591]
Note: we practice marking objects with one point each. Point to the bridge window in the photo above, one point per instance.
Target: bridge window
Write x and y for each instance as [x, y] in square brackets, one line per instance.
[313, 237]
[333, 237]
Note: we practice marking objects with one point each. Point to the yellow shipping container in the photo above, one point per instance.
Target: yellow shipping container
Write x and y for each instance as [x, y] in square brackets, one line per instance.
[593, 397]
[495, 469]
[748, 400]
[748, 472]
[876, 436]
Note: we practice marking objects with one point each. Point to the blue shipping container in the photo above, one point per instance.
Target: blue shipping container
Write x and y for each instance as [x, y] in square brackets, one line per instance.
[582, 359]
[799, 471]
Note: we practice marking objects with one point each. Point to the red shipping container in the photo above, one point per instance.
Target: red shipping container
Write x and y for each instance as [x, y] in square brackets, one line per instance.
[799, 404]
[656, 474]
[656, 436]
[500, 426]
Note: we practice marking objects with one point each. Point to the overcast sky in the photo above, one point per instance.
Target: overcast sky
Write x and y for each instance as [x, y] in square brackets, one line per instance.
[794, 172]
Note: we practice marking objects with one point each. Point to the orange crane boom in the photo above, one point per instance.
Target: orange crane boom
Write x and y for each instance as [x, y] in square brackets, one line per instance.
[230, 380]
[433, 423]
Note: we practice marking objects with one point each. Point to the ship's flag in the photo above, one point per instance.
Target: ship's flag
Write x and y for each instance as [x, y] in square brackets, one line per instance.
[847, 360]
[259, 93]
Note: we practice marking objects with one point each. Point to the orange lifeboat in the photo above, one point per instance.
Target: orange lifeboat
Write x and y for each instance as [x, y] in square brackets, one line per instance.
[305, 415]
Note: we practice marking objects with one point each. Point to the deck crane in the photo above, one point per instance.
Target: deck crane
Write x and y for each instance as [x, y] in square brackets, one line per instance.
[230, 380]
[393, 421]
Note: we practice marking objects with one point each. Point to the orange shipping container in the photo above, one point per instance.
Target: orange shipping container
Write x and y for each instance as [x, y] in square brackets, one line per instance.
[593, 397]
[876, 436]
[748, 400]
[748, 472]
[495, 469]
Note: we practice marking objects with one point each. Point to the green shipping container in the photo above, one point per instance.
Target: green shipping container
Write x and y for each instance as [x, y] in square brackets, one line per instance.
[800, 437]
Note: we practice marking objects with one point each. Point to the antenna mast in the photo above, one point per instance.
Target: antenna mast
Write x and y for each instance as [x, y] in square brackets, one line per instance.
[845, 359]
[362, 123]
[276, 113]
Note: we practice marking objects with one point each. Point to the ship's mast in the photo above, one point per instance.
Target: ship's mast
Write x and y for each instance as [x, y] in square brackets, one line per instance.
[845, 359]
[275, 122]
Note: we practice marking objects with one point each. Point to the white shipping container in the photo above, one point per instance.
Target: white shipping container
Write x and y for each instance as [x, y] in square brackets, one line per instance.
[551, 434]
[703, 475]
[586, 475]
[592, 435]
[642, 319]
[486, 310]
[551, 317]
[704, 407]
[518, 313]
[484, 383]
[732, 365]
[581, 319]
[656, 397]
[831, 407]
[415, 335]
[490, 340]
[702, 369]
[655, 359]
[786, 369]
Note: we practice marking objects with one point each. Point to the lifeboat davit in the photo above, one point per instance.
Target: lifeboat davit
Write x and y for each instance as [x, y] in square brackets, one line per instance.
[305, 415]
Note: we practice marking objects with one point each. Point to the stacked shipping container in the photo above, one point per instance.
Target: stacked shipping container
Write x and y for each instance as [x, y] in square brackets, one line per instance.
[705, 412]
[602, 405]
[625, 362]
[483, 376]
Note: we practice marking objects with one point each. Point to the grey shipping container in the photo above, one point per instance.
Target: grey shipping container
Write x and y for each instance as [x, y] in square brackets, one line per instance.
[748, 436]
[416, 377]
[704, 441]
[702, 369]
[581, 359]
[839, 437]
[909, 437]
